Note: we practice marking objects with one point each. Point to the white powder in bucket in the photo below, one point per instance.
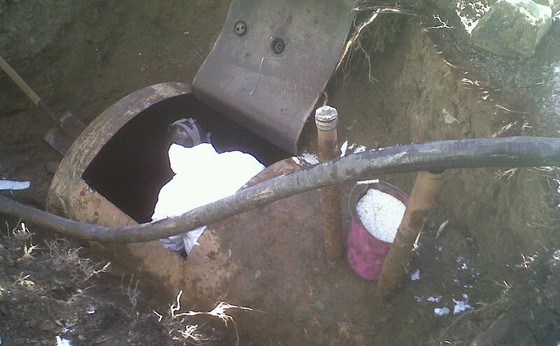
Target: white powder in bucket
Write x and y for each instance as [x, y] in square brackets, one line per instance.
[381, 214]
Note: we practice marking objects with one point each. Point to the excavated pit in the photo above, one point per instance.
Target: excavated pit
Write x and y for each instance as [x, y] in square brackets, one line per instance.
[492, 257]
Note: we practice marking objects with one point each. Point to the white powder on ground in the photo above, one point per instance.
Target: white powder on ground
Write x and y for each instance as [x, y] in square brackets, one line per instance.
[312, 159]
[441, 311]
[343, 148]
[416, 275]
[381, 214]
[352, 148]
[461, 305]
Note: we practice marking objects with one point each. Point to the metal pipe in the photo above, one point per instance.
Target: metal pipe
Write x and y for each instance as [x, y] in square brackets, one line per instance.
[422, 198]
[326, 120]
[435, 156]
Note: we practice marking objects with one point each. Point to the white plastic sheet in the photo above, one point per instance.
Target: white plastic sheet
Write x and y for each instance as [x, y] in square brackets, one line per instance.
[202, 176]
[14, 185]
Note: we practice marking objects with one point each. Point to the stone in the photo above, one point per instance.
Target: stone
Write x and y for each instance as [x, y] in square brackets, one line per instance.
[513, 28]
[554, 4]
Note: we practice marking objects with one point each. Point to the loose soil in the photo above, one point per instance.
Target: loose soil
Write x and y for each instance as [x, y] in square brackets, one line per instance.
[497, 256]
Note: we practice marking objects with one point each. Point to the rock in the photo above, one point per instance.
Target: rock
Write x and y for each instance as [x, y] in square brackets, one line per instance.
[554, 4]
[448, 119]
[513, 28]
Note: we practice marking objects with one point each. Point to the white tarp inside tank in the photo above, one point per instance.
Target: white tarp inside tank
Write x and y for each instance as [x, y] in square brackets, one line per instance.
[202, 176]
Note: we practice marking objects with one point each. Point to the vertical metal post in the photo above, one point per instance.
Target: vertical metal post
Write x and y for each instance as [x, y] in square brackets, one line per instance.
[326, 120]
[426, 187]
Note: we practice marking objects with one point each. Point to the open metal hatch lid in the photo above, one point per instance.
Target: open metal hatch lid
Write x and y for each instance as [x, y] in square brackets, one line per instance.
[271, 62]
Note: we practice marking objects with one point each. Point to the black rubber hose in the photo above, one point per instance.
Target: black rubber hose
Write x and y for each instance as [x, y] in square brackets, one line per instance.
[434, 156]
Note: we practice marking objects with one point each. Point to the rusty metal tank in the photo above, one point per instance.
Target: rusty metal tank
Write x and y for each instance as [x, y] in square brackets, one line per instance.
[264, 75]
[113, 172]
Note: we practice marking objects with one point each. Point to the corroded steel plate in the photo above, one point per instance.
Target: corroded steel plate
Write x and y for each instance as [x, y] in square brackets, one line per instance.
[272, 61]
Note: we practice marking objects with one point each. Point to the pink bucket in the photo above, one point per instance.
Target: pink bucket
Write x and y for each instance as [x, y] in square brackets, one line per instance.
[366, 253]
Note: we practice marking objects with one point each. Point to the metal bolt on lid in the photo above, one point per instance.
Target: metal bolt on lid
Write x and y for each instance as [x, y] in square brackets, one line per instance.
[326, 118]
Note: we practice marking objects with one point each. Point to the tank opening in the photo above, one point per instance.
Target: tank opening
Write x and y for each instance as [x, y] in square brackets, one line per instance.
[133, 166]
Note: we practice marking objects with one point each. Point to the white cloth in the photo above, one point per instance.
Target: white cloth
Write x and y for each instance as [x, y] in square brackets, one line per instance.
[202, 176]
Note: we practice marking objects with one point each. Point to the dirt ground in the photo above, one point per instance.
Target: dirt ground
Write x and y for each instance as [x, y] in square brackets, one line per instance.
[495, 267]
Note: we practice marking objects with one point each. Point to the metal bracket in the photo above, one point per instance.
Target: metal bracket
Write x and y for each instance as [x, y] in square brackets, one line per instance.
[271, 62]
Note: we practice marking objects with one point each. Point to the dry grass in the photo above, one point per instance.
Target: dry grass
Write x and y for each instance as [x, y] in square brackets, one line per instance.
[20, 242]
[62, 255]
[131, 290]
[65, 258]
[193, 327]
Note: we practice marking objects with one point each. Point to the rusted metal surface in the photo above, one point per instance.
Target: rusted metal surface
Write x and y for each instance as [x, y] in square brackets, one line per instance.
[271, 62]
[422, 198]
[87, 146]
[283, 274]
[71, 196]
[326, 120]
